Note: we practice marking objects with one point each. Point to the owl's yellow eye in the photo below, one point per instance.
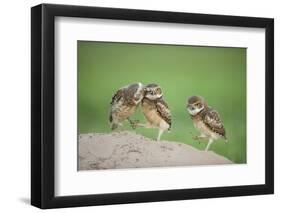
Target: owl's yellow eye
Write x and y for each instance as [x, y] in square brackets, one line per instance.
[158, 91]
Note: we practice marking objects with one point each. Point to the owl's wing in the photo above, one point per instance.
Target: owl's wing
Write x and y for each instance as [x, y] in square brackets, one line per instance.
[213, 121]
[164, 112]
[117, 96]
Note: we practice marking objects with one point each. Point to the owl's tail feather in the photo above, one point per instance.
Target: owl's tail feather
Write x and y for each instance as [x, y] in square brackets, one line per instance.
[225, 139]
[170, 126]
[110, 118]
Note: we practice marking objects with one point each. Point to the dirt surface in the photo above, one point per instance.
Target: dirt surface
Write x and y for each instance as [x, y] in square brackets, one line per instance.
[128, 150]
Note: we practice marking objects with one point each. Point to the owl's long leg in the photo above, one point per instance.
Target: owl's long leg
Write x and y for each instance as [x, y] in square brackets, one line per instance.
[114, 125]
[159, 134]
[146, 125]
[209, 144]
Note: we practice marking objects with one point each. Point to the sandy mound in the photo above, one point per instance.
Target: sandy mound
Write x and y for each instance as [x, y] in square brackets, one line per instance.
[129, 150]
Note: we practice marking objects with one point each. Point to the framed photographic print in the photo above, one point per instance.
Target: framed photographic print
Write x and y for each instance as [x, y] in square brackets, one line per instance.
[139, 106]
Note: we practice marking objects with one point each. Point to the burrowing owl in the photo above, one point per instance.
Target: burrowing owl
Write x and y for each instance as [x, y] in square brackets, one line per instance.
[124, 103]
[155, 109]
[206, 120]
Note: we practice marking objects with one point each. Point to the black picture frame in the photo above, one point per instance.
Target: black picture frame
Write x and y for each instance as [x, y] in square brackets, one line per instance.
[43, 102]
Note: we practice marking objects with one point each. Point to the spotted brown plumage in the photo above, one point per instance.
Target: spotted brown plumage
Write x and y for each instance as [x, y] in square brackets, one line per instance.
[213, 121]
[206, 120]
[155, 109]
[124, 103]
[164, 112]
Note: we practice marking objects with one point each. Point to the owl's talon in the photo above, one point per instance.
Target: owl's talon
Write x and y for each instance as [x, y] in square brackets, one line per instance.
[134, 124]
[196, 138]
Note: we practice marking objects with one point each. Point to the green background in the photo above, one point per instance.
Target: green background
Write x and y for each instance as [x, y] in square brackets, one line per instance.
[218, 74]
